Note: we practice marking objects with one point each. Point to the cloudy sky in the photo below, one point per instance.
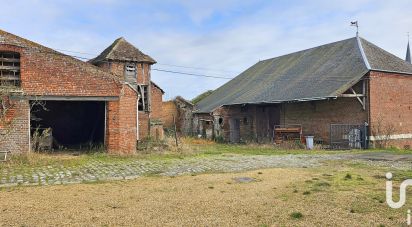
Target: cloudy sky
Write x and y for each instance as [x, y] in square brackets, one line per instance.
[211, 37]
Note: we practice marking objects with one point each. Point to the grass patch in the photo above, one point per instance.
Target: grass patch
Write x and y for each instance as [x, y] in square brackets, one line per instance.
[296, 215]
[306, 193]
[348, 176]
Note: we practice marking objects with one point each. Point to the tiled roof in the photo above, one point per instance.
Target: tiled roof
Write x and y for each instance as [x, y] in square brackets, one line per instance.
[317, 73]
[122, 50]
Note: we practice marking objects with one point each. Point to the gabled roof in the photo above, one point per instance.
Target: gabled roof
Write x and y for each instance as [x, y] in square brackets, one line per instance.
[121, 50]
[381, 60]
[154, 84]
[318, 73]
[180, 98]
[14, 40]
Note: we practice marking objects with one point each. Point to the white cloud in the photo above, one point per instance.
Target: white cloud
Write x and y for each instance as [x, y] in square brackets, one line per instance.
[254, 31]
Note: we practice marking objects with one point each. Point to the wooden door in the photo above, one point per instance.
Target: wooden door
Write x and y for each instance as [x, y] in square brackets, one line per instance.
[234, 125]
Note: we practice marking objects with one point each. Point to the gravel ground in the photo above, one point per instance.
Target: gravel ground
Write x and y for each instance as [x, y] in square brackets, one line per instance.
[131, 169]
[218, 199]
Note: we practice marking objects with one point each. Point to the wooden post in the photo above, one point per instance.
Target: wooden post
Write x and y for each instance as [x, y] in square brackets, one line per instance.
[174, 123]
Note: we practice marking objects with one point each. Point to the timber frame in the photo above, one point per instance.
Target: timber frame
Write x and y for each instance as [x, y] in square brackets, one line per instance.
[361, 97]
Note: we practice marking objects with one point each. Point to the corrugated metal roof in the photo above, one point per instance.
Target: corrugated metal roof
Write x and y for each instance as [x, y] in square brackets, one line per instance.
[317, 73]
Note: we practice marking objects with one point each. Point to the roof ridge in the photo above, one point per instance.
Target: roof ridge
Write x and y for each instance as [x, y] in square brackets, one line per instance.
[383, 60]
[308, 49]
[122, 50]
[364, 58]
[116, 43]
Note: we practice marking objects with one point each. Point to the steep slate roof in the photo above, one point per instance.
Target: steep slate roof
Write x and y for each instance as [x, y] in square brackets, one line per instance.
[314, 74]
[122, 50]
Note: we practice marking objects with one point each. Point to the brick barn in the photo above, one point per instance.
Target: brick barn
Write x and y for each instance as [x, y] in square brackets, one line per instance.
[178, 112]
[128, 63]
[317, 92]
[83, 105]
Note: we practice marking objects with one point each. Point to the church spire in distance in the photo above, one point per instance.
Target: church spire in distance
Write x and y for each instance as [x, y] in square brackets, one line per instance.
[408, 52]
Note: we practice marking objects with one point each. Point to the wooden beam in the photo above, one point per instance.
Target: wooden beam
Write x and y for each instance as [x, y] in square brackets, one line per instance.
[364, 94]
[10, 68]
[68, 98]
[352, 95]
[9, 59]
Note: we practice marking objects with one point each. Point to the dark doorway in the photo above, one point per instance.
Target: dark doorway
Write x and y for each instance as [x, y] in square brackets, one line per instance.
[73, 124]
[266, 119]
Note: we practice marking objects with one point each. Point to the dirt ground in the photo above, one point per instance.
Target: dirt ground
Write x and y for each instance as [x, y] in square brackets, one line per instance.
[324, 196]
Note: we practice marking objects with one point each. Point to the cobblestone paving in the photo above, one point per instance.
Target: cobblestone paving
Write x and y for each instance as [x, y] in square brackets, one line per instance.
[131, 169]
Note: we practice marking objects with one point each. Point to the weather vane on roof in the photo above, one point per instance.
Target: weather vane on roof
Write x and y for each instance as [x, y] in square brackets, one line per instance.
[355, 23]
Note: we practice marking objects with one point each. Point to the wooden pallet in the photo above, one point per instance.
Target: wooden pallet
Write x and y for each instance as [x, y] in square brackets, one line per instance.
[287, 133]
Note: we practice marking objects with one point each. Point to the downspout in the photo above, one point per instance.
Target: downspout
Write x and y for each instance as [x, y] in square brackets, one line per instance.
[29, 127]
[367, 87]
[137, 117]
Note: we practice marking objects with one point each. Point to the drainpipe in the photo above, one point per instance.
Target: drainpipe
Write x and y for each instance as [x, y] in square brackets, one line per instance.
[137, 117]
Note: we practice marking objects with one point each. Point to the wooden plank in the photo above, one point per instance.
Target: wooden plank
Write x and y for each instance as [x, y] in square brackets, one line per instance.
[16, 68]
[9, 78]
[9, 59]
[352, 95]
[71, 98]
[297, 130]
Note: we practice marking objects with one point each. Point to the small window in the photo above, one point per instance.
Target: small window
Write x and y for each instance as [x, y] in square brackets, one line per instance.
[220, 121]
[245, 120]
[130, 70]
[144, 97]
[9, 69]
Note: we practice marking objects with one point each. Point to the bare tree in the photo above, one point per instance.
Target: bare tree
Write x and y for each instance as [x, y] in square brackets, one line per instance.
[7, 107]
[10, 97]
[383, 132]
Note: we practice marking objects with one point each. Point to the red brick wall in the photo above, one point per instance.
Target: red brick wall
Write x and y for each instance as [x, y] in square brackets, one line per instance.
[316, 117]
[15, 138]
[44, 72]
[246, 118]
[117, 68]
[391, 104]
[143, 78]
[143, 125]
[155, 114]
[156, 95]
[121, 123]
[156, 103]
[169, 110]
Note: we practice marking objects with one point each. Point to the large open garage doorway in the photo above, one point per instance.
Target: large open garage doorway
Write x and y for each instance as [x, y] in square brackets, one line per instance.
[73, 125]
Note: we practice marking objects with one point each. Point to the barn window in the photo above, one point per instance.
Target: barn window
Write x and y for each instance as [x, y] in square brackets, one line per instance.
[130, 70]
[220, 121]
[9, 69]
[144, 97]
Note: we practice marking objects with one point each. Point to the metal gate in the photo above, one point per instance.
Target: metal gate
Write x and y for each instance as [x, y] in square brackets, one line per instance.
[347, 136]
